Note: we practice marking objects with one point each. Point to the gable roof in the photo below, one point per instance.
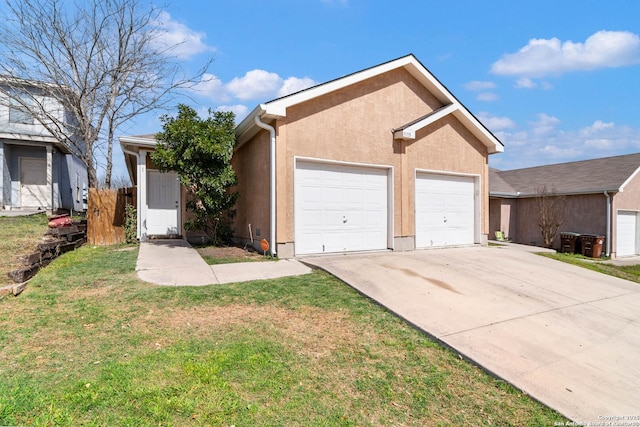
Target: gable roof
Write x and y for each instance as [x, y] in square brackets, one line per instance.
[277, 108]
[609, 174]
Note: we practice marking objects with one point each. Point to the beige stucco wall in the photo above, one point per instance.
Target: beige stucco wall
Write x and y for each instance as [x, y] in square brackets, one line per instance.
[251, 164]
[584, 214]
[355, 125]
[502, 217]
[445, 146]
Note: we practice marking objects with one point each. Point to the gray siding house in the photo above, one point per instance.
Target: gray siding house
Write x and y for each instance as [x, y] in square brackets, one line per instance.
[36, 171]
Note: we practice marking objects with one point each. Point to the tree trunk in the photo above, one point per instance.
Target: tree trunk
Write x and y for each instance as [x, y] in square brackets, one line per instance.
[107, 178]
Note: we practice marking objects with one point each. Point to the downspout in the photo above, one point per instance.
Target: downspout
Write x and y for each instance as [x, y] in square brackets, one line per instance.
[608, 236]
[272, 183]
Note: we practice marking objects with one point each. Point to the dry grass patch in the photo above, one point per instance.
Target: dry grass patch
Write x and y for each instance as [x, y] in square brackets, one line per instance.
[18, 236]
[310, 331]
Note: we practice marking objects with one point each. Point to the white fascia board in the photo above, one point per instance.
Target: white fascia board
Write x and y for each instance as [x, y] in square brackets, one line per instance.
[628, 180]
[410, 131]
[138, 142]
[482, 133]
[28, 137]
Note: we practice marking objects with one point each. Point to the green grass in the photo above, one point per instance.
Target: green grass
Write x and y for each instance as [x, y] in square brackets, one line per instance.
[18, 236]
[627, 272]
[87, 343]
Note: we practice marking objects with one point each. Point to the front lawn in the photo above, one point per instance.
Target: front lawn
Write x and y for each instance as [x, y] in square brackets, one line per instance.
[87, 343]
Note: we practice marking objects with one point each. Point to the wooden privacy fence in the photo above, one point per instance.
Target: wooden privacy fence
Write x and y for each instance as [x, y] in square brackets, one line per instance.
[106, 215]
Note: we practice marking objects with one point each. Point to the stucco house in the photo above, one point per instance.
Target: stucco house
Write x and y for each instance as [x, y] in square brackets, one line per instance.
[602, 197]
[36, 171]
[384, 158]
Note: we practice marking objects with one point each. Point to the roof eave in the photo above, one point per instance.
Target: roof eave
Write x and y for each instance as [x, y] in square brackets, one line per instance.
[559, 193]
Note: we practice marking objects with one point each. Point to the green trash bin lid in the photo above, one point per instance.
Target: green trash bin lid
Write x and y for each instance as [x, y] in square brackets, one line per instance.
[569, 233]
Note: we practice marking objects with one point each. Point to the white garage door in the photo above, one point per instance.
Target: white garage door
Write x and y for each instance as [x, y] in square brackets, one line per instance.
[33, 183]
[445, 210]
[627, 233]
[339, 208]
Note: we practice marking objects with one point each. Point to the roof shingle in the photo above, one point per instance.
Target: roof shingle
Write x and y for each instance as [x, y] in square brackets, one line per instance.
[586, 176]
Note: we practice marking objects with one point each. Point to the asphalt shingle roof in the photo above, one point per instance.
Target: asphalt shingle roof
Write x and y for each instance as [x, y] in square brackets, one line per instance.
[586, 176]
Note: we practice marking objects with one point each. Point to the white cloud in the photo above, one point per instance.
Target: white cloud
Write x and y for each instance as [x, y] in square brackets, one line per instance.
[487, 96]
[545, 141]
[542, 57]
[478, 85]
[525, 83]
[255, 84]
[597, 127]
[544, 125]
[239, 110]
[177, 39]
[495, 123]
[598, 144]
[211, 87]
[294, 84]
[555, 152]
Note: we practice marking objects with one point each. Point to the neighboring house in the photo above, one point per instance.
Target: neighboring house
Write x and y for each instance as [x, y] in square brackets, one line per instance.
[602, 197]
[384, 158]
[36, 171]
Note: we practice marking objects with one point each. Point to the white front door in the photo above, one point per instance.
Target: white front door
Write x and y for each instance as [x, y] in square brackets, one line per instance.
[163, 204]
[445, 210]
[340, 208]
[627, 233]
[33, 183]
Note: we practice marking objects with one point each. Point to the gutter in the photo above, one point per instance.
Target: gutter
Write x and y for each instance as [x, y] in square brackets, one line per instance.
[272, 182]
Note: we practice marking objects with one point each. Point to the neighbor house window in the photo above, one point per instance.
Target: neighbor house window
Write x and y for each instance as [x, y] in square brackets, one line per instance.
[18, 113]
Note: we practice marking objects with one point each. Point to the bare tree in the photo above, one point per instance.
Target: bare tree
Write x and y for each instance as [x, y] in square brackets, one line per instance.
[101, 59]
[550, 213]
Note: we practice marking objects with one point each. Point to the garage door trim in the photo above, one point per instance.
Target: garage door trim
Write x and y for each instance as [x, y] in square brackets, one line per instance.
[477, 200]
[390, 176]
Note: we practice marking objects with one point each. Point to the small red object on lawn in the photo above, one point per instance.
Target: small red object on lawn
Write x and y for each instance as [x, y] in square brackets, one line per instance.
[264, 245]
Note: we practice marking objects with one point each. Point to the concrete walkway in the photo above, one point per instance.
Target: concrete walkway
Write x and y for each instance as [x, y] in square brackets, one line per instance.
[176, 263]
[566, 335]
[20, 212]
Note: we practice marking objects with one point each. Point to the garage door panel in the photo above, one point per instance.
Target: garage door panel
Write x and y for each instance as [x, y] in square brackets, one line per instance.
[349, 213]
[33, 182]
[627, 233]
[445, 210]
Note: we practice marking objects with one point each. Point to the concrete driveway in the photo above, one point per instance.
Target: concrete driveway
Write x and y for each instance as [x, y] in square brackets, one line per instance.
[567, 336]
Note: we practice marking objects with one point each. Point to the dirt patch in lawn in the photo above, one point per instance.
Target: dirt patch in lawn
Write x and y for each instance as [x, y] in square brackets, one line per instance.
[229, 254]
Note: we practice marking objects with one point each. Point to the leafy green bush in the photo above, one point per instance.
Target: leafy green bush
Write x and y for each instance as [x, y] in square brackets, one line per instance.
[130, 224]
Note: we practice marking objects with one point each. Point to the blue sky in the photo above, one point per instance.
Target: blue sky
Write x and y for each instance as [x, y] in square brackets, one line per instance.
[555, 80]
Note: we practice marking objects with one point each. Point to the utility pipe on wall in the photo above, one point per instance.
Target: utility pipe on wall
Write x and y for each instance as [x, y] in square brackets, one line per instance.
[608, 236]
[272, 183]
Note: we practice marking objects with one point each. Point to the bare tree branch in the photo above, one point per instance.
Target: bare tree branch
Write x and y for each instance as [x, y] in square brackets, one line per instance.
[100, 60]
[550, 213]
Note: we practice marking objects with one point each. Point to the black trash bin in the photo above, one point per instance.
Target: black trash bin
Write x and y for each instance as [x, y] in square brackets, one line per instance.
[569, 242]
[592, 245]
